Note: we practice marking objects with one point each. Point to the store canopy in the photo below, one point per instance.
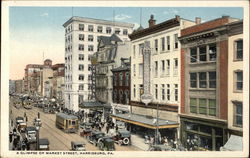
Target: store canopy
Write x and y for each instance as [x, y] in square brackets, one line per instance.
[234, 143]
[145, 121]
[93, 105]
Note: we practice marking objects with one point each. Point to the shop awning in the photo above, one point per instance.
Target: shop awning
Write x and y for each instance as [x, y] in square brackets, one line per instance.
[93, 105]
[145, 121]
[234, 143]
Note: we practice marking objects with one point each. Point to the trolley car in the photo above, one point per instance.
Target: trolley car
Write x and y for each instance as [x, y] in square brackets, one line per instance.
[68, 123]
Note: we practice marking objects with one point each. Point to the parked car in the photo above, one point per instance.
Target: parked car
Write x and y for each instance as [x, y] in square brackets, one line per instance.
[106, 144]
[87, 128]
[21, 126]
[19, 120]
[30, 134]
[37, 122]
[120, 124]
[95, 137]
[78, 146]
[122, 137]
[43, 144]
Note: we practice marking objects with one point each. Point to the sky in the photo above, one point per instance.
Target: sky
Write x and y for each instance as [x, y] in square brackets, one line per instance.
[38, 30]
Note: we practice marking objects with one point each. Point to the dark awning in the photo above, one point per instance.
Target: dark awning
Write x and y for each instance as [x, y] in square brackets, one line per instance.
[234, 143]
[92, 105]
[145, 121]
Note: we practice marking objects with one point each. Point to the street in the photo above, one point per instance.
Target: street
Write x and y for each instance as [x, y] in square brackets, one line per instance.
[58, 139]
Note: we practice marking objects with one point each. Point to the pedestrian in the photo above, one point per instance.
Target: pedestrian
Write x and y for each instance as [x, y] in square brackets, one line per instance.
[23, 145]
[38, 115]
[10, 136]
[100, 128]
[24, 114]
[107, 129]
[26, 118]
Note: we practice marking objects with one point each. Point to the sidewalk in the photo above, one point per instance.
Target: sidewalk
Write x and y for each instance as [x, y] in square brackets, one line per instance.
[139, 142]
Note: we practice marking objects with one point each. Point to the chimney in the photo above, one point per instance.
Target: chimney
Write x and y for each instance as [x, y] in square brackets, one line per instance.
[197, 20]
[177, 17]
[151, 21]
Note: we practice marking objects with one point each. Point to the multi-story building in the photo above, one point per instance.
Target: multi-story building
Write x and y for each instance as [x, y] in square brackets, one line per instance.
[164, 74]
[19, 86]
[110, 51]
[32, 78]
[204, 83]
[121, 87]
[58, 81]
[235, 84]
[81, 39]
[12, 86]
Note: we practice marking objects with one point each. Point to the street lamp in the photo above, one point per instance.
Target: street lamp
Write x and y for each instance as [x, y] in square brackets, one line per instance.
[37, 136]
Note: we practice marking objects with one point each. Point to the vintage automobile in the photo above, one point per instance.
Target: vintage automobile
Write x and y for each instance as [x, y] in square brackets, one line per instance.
[95, 137]
[68, 123]
[21, 126]
[78, 146]
[120, 124]
[37, 122]
[122, 137]
[43, 144]
[87, 128]
[106, 144]
[30, 134]
[19, 120]
[160, 148]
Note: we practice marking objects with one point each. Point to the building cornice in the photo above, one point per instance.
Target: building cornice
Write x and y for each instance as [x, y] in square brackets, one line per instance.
[155, 29]
[97, 21]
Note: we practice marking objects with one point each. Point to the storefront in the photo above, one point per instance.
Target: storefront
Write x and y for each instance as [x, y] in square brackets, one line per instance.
[91, 107]
[145, 125]
[121, 108]
[207, 134]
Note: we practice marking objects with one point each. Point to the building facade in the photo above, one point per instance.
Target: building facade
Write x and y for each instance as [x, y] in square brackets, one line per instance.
[19, 86]
[235, 79]
[12, 86]
[110, 51]
[121, 87]
[32, 78]
[58, 81]
[204, 83]
[81, 39]
[164, 66]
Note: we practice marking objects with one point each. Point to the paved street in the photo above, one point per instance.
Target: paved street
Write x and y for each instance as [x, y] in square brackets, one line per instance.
[58, 139]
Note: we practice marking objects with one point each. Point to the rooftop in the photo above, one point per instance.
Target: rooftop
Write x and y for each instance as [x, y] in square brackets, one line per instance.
[97, 21]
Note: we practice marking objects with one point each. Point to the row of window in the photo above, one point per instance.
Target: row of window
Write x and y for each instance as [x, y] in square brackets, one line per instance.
[121, 97]
[100, 29]
[121, 80]
[203, 106]
[81, 57]
[81, 86]
[164, 67]
[203, 79]
[208, 52]
[90, 47]
[164, 45]
[161, 92]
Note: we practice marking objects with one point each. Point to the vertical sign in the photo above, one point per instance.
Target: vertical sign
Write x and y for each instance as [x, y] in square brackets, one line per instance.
[146, 97]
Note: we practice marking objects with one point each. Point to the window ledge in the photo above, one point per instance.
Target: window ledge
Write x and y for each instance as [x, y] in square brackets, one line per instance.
[238, 91]
[202, 89]
[237, 60]
[203, 62]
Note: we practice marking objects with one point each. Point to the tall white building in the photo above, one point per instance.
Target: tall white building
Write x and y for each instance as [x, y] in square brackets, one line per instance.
[81, 40]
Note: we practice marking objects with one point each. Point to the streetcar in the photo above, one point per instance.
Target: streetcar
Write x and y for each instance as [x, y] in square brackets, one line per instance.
[68, 123]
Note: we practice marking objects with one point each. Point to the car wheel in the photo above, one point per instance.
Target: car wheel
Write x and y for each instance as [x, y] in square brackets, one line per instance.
[125, 141]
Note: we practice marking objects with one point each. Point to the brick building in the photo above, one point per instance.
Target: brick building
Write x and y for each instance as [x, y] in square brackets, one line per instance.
[204, 83]
[121, 87]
